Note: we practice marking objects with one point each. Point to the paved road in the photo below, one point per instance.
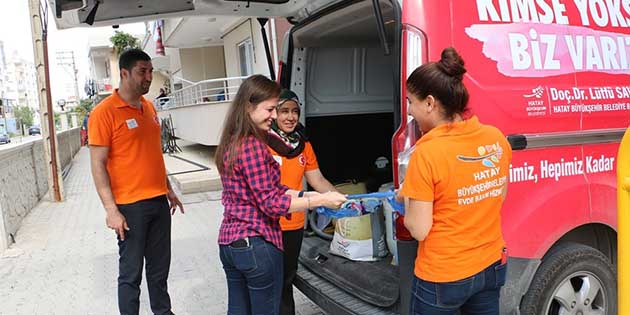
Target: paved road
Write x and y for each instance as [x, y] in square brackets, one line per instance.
[64, 260]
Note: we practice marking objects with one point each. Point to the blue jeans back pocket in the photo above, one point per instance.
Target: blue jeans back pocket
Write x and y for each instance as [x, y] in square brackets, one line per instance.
[500, 272]
[244, 258]
[454, 294]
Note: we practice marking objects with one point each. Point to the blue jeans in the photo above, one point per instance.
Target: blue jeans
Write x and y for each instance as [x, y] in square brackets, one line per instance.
[478, 294]
[254, 277]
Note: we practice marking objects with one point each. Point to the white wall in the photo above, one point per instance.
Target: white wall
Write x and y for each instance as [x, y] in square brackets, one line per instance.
[202, 63]
[201, 123]
[170, 25]
[247, 29]
[115, 72]
[158, 82]
[100, 71]
[175, 61]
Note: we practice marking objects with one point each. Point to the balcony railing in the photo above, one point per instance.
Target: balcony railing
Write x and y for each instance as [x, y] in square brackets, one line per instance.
[203, 92]
[104, 86]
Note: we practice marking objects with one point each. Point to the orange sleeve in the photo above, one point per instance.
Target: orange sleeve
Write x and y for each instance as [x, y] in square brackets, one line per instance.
[311, 159]
[100, 128]
[418, 184]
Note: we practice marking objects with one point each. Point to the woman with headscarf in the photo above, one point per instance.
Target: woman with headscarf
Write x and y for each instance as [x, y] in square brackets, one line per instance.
[290, 147]
[250, 237]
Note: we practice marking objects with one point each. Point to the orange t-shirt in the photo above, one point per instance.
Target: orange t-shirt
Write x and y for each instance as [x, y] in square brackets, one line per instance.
[462, 168]
[135, 164]
[291, 174]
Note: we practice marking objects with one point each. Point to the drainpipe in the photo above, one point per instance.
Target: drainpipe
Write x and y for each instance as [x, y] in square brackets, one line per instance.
[274, 45]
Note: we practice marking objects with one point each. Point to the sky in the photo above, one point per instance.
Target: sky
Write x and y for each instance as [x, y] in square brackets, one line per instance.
[15, 32]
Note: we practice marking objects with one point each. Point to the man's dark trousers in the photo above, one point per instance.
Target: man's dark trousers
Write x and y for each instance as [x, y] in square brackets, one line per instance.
[149, 237]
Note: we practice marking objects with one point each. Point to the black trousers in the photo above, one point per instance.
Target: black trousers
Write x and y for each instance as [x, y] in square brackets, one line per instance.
[148, 238]
[292, 243]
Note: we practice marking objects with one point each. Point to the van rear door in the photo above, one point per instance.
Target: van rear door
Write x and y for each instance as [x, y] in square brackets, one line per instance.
[82, 13]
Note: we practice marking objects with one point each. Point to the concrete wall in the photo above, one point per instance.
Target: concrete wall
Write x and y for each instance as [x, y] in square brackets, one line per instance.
[23, 179]
[247, 29]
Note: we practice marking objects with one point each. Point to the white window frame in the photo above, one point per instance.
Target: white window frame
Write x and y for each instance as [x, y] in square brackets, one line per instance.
[248, 58]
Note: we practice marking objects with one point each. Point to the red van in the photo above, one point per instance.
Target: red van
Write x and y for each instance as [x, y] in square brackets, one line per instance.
[553, 75]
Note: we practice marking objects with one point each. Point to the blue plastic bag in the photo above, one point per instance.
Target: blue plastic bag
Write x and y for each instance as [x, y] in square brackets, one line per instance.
[361, 204]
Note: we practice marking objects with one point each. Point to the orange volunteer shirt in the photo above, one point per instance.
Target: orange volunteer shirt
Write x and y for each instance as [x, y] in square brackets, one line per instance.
[135, 163]
[291, 174]
[462, 168]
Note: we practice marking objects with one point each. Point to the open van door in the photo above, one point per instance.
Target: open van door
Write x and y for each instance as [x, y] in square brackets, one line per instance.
[82, 13]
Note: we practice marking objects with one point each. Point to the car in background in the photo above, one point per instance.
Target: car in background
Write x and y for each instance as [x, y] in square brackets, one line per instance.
[4, 138]
[34, 130]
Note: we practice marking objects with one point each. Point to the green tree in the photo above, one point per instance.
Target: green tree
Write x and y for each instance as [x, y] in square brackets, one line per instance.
[23, 116]
[122, 41]
[84, 108]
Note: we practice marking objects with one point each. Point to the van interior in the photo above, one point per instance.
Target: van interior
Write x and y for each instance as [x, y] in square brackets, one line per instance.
[349, 87]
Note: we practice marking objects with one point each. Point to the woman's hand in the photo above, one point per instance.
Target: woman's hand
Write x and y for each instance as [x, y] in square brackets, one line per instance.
[332, 199]
[399, 198]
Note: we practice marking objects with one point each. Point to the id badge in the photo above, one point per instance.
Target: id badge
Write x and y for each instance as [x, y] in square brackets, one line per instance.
[132, 123]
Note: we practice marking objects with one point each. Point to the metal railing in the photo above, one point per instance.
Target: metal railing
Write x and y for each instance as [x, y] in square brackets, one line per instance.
[104, 85]
[203, 92]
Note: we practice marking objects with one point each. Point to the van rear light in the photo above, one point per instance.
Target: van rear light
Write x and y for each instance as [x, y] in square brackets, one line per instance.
[414, 54]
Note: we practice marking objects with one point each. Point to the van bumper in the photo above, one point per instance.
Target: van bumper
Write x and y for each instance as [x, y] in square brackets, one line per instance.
[333, 300]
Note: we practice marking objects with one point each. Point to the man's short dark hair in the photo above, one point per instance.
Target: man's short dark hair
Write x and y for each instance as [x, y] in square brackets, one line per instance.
[129, 57]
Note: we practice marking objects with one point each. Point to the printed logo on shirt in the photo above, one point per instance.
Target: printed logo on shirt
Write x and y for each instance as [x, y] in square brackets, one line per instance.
[302, 160]
[488, 181]
[278, 159]
[131, 123]
[488, 155]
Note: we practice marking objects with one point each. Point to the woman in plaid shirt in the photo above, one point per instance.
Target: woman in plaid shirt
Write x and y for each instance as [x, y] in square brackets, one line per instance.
[250, 237]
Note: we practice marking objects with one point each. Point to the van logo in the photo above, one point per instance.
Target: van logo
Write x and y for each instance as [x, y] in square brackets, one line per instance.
[488, 155]
[537, 92]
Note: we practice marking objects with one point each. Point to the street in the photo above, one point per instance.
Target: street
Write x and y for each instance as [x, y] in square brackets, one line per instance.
[64, 260]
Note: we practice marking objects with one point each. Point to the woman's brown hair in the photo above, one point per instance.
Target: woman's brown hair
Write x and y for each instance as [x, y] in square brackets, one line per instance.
[238, 124]
[443, 80]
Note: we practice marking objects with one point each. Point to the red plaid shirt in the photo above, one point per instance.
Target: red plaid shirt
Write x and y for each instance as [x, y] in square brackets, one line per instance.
[253, 198]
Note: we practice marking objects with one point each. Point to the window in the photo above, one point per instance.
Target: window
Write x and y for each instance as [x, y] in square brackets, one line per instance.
[245, 57]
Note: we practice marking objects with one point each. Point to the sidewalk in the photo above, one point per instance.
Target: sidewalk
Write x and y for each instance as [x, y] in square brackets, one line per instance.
[64, 260]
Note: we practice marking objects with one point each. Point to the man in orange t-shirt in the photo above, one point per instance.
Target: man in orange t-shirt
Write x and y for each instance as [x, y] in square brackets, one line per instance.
[454, 189]
[291, 149]
[130, 178]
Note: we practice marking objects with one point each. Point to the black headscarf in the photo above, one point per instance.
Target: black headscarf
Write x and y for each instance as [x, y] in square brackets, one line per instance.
[287, 145]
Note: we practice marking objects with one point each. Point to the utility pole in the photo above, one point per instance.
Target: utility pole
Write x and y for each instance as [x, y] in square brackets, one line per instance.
[65, 59]
[39, 28]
